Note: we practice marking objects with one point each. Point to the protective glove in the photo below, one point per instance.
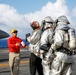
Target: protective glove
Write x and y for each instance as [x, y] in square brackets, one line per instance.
[27, 35]
[45, 62]
[49, 54]
[41, 54]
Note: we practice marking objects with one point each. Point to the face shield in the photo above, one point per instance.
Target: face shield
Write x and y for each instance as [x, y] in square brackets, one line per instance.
[34, 25]
[63, 19]
[47, 22]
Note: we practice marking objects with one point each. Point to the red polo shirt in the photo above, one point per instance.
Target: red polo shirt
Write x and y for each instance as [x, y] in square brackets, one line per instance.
[11, 44]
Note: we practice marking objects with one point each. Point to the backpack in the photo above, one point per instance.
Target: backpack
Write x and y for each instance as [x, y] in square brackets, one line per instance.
[69, 39]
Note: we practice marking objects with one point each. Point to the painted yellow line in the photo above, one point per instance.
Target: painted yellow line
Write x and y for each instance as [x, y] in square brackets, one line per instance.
[7, 64]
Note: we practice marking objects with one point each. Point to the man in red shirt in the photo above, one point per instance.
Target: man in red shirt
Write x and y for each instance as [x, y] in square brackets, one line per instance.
[14, 44]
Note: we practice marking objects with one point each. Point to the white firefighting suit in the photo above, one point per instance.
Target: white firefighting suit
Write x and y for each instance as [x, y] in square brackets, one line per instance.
[34, 40]
[62, 63]
[34, 48]
[45, 39]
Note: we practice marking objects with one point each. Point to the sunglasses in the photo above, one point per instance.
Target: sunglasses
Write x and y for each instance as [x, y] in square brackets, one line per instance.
[15, 32]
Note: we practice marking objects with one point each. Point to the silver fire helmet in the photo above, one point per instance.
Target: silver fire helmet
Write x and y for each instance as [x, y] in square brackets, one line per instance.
[63, 18]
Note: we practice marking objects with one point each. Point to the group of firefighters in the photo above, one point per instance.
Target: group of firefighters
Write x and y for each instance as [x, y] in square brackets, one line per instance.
[52, 46]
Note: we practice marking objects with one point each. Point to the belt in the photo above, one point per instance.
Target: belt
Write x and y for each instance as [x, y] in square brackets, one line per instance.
[64, 50]
[14, 52]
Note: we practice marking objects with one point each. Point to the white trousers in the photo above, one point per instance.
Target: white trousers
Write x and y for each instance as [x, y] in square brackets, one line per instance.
[62, 64]
[47, 66]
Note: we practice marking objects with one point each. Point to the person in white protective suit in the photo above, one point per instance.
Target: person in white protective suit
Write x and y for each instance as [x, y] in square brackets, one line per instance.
[46, 41]
[34, 40]
[62, 63]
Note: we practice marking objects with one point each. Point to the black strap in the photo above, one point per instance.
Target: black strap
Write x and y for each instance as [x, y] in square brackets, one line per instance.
[65, 50]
